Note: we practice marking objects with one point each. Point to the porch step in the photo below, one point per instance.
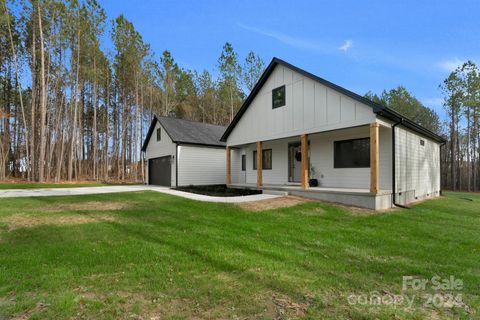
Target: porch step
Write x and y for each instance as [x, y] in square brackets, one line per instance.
[275, 192]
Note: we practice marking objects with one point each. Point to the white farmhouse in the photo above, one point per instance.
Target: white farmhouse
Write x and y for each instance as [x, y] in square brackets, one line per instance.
[295, 126]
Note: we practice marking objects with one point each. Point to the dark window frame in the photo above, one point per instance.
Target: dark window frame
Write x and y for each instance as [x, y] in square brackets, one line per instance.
[422, 142]
[282, 103]
[267, 166]
[337, 156]
[244, 162]
[159, 134]
[264, 164]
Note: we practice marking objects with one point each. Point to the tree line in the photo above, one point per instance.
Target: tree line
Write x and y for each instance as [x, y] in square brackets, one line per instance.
[460, 156]
[71, 109]
[461, 90]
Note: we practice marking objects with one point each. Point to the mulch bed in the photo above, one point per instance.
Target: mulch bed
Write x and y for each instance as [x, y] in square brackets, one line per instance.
[218, 191]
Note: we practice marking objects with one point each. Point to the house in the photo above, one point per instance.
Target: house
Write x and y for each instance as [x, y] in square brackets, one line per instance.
[295, 126]
[182, 152]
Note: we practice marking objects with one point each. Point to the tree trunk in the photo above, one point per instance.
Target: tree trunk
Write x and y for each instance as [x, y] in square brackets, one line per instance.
[74, 122]
[107, 106]
[20, 94]
[452, 154]
[33, 68]
[43, 107]
[94, 121]
[474, 160]
[469, 167]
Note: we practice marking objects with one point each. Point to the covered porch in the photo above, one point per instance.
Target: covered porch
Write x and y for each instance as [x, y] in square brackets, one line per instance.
[363, 182]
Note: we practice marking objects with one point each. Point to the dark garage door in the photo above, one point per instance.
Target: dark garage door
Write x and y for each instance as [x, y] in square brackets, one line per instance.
[159, 171]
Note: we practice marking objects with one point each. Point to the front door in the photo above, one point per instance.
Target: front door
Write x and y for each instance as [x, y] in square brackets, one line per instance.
[294, 162]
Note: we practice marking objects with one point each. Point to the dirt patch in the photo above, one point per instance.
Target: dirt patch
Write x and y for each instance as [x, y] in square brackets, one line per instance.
[365, 211]
[318, 211]
[25, 221]
[136, 305]
[358, 210]
[88, 206]
[268, 204]
[24, 315]
[286, 308]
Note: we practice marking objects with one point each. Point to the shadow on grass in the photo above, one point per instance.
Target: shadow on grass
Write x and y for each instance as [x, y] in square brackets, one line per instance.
[218, 264]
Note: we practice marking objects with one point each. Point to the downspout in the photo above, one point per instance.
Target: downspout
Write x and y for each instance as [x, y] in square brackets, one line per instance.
[176, 165]
[145, 178]
[441, 145]
[394, 178]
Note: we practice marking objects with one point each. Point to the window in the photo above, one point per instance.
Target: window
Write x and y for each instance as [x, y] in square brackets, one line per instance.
[244, 162]
[266, 159]
[352, 153]
[422, 142]
[278, 97]
[159, 134]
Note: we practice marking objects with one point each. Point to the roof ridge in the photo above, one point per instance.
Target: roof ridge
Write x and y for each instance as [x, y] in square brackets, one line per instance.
[194, 121]
[184, 131]
[377, 108]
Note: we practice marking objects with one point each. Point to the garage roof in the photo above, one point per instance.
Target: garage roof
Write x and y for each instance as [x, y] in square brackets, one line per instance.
[188, 132]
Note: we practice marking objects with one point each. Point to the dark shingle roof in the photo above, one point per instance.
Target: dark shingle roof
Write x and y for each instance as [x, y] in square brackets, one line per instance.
[188, 132]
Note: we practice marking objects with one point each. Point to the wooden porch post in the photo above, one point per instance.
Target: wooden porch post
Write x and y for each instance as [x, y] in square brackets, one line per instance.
[259, 164]
[304, 152]
[229, 167]
[374, 165]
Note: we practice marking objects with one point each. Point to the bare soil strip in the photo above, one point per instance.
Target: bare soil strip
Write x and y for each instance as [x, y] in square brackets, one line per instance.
[268, 204]
[25, 221]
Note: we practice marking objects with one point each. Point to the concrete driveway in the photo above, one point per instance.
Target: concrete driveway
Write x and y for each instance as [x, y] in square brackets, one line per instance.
[13, 193]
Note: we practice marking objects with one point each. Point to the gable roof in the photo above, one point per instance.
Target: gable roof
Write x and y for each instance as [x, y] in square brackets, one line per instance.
[188, 132]
[377, 108]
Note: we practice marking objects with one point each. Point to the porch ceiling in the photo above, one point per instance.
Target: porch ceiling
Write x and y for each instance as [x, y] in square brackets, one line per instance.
[296, 138]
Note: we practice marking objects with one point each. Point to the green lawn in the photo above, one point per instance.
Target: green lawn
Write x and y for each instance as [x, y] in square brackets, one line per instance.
[144, 255]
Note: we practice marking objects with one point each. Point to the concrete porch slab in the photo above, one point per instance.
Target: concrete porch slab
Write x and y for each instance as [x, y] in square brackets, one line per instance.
[349, 196]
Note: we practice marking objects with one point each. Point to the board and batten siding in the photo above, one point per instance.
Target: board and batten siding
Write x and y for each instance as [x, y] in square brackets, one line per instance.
[164, 147]
[310, 107]
[279, 172]
[417, 167]
[321, 150]
[201, 165]
[322, 159]
[238, 176]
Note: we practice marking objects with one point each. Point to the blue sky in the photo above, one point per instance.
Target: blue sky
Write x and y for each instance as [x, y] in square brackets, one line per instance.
[360, 45]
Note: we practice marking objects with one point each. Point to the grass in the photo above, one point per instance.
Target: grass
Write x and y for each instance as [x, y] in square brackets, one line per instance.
[144, 254]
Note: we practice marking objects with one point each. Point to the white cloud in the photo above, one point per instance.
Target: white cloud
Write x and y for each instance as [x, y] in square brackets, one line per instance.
[451, 64]
[306, 44]
[433, 102]
[348, 44]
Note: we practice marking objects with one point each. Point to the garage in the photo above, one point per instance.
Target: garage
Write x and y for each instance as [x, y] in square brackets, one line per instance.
[182, 152]
[160, 171]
